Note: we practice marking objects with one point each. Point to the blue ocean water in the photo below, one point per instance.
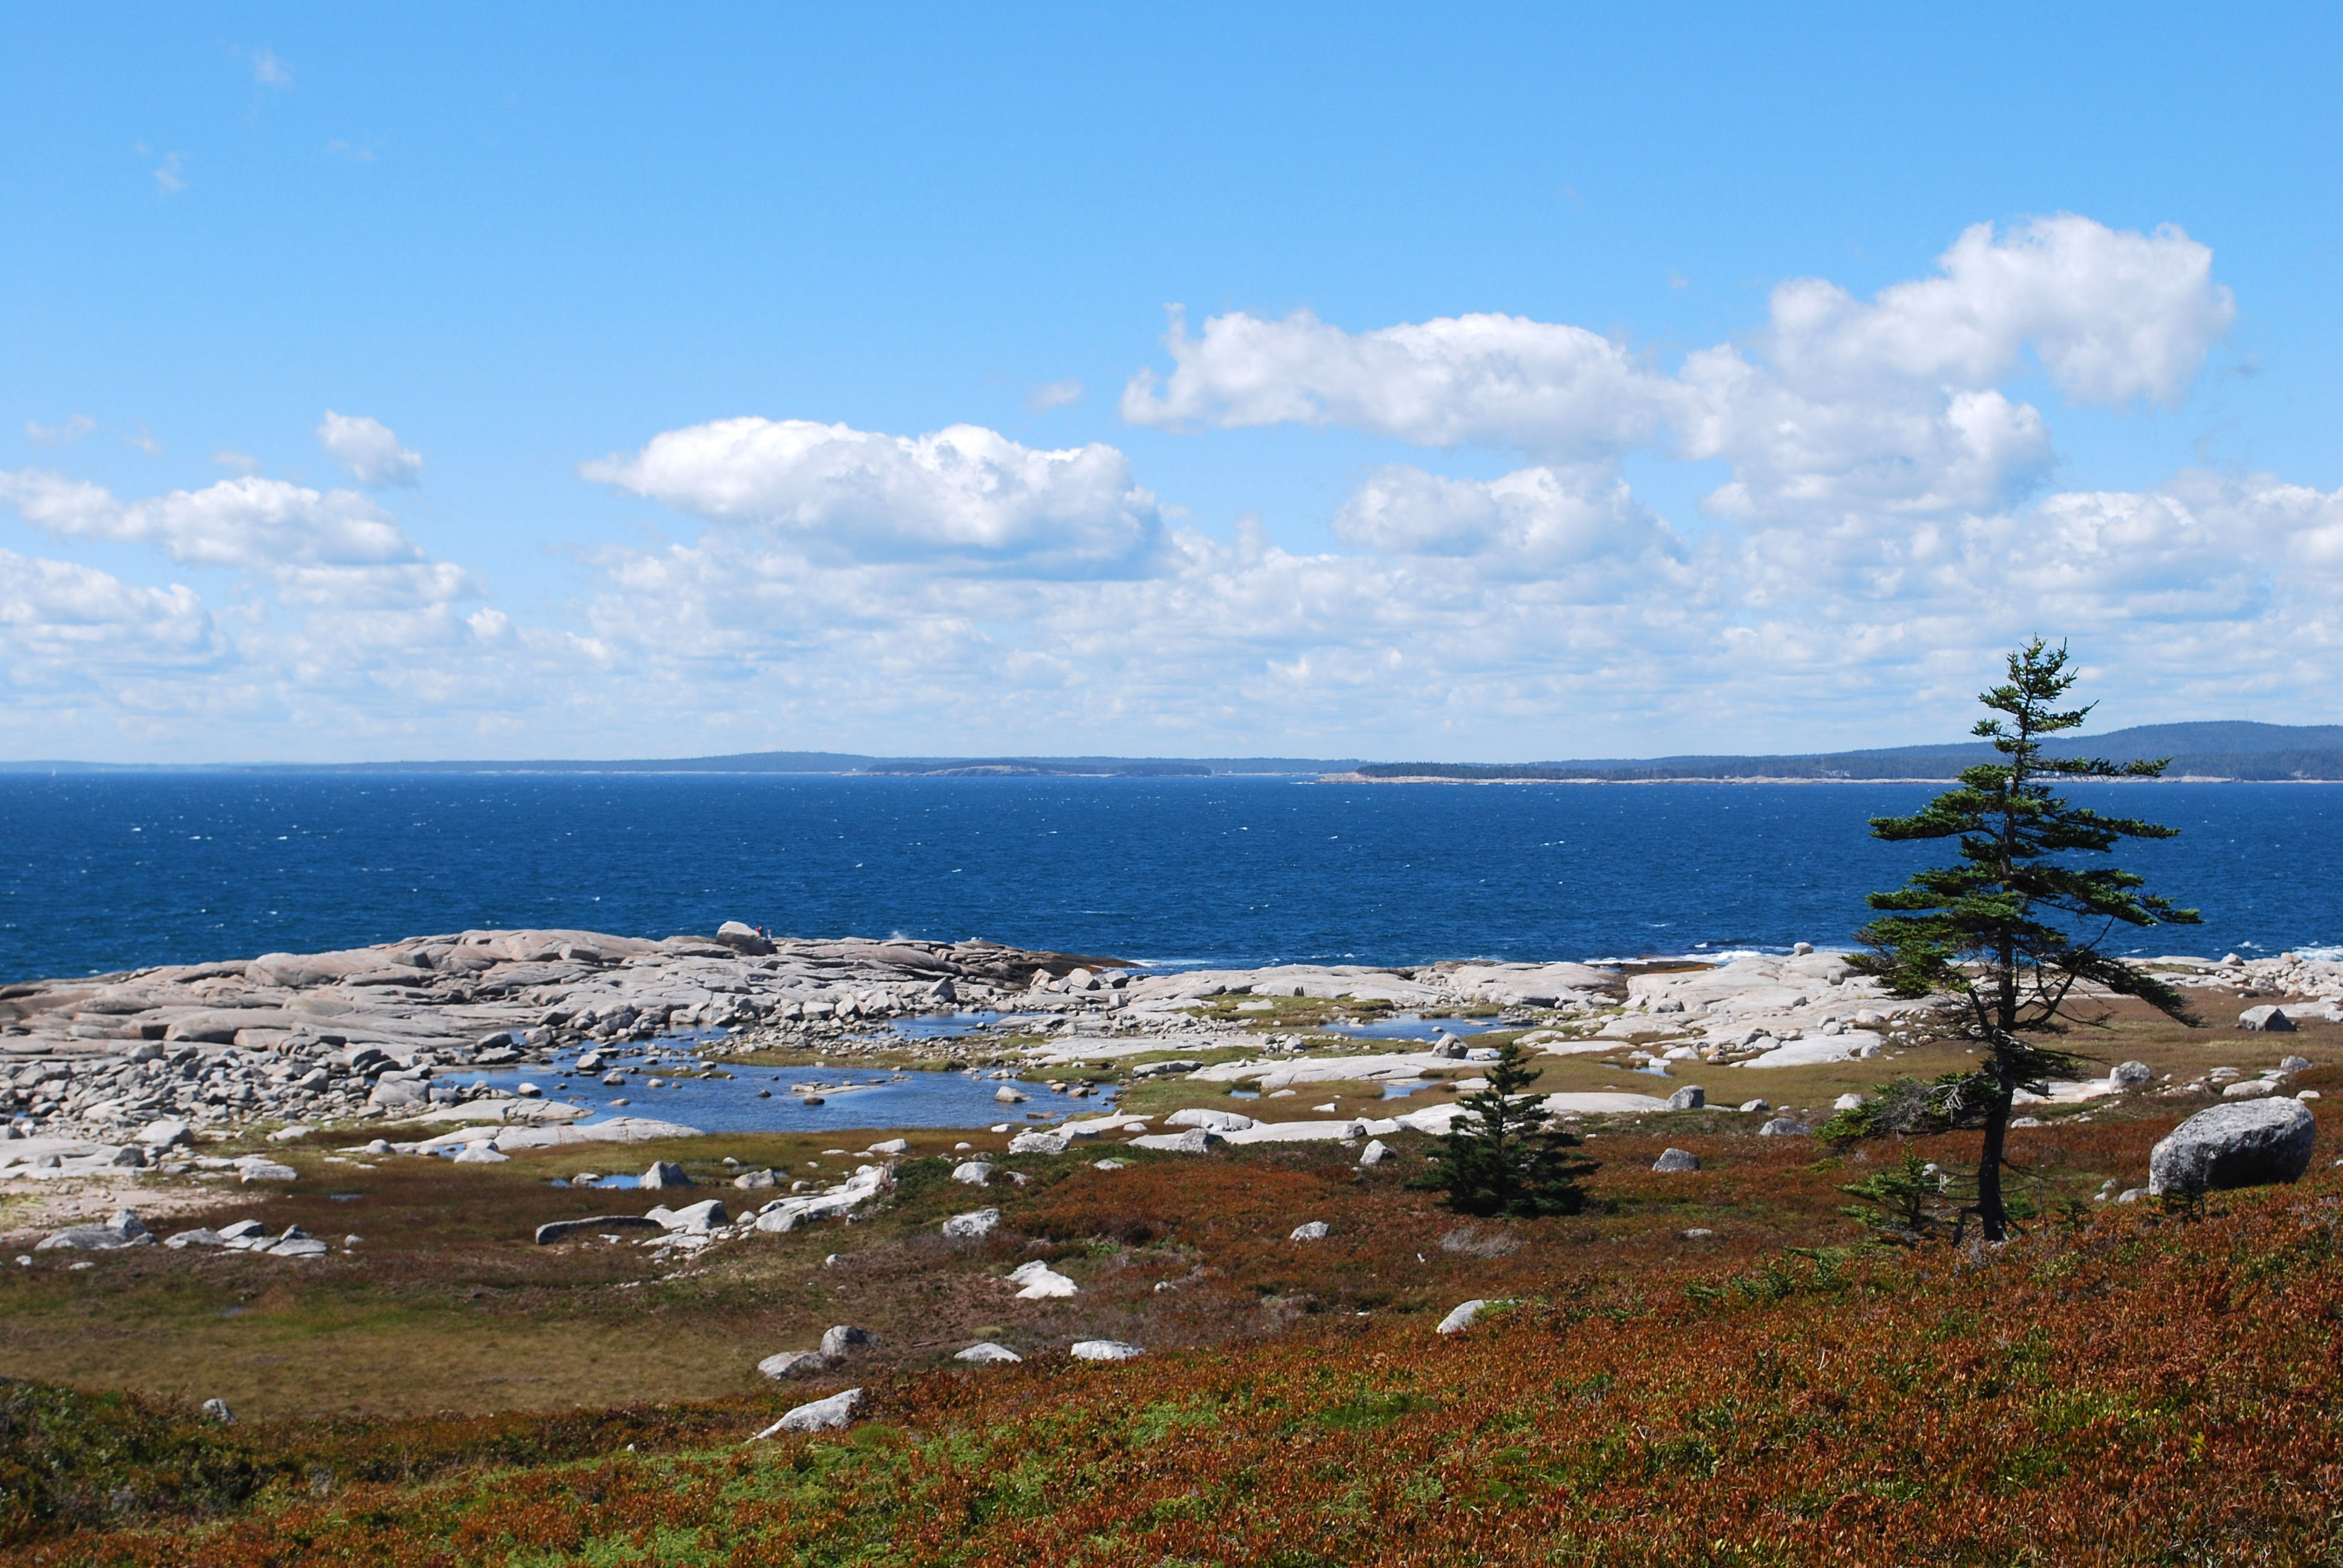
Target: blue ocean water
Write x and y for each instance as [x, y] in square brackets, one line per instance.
[108, 871]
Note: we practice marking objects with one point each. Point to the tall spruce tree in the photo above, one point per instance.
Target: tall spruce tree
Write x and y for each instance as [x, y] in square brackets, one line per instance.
[2014, 929]
[1503, 1155]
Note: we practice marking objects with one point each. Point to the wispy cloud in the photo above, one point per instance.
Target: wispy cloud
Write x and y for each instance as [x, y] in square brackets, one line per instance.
[171, 174]
[269, 71]
[63, 434]
[1053, 395]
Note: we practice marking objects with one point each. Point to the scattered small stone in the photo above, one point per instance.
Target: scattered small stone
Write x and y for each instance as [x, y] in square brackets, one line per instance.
[217, 1410]
[1375, 1152]
[970, 1226]
[821, 1415]
[1674, 1160]
[1103, 1350]
[1310, 1231]
[792, 1363]
[985, 1353]
[1041, 1281]
[1463, 1316]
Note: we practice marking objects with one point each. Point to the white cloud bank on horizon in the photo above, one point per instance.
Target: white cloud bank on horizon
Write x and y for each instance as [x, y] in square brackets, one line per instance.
[1881, 536]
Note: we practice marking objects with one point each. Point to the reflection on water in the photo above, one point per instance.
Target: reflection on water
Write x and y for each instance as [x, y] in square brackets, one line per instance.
[1414, 1026]
[785, 1100]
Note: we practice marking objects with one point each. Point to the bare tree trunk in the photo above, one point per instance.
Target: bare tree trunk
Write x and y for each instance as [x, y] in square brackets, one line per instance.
[1993, 1216]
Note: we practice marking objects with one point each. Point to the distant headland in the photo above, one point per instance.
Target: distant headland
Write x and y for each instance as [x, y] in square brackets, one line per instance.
[2219, 749]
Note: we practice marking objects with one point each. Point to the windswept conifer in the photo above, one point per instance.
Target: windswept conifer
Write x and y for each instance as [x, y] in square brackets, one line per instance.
[1503, 1155]
[2012, 930]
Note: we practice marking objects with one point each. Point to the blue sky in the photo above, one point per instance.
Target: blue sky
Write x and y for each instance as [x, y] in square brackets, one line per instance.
[524, 247]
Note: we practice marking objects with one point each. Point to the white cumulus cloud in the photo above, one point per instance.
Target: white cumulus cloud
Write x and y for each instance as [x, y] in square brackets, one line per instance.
[1491, 380]
[2112, 317]
[1840, 406]
[367, 451]
[247, 522]
[965, 492]
[1534, 520]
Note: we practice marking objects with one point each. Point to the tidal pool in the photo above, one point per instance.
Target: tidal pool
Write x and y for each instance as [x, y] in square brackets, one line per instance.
[773, 1099]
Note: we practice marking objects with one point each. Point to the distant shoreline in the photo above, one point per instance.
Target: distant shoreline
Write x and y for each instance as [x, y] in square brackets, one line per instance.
[2198, 751]
[1770, 779]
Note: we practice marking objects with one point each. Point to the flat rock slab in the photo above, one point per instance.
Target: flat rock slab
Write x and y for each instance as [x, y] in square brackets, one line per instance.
[561, 1230]
[528, 1113]
[1816, 1049]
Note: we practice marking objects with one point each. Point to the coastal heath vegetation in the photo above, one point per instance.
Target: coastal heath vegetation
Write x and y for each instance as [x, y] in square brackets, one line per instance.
[2127, 1390]
[2013, 931]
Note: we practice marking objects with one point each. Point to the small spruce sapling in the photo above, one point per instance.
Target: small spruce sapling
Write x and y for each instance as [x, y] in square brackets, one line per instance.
[1906, 1204]
[2012, 931]
[1502, 1155]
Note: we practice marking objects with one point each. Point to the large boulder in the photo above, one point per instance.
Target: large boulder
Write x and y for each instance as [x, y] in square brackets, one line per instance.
[704, 1215]
[2246, 1144]
[976, 1222]
[1677, 1160]
[743, 939]
[664, 1174]
[2266, 1020]
[844, 1339]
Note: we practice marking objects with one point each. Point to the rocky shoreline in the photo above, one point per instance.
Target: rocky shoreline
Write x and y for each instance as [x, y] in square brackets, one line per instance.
[126, 1064]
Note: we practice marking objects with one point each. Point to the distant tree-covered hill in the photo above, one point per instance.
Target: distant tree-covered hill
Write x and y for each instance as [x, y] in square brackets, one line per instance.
[2224, 748]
